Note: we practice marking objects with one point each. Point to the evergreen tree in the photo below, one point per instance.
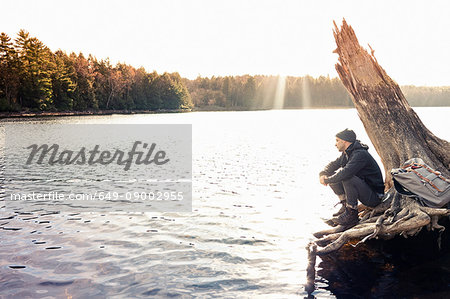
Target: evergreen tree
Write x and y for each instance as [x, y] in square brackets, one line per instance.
[62, 85]
[9, 79]
[249, 92]
[153, 92]
[173, 93]
[35, 72]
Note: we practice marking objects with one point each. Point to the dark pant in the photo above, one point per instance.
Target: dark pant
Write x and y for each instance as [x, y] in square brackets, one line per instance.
[354, 189]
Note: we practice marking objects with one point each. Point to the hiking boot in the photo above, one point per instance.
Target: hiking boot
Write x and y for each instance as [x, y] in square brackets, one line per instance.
[341, 210]
[348, 218]
[331, 222]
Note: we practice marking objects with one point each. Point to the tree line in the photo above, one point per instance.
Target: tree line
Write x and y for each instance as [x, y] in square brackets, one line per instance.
[262, 92]
[267, 92]
[427, 96]
[32, 77]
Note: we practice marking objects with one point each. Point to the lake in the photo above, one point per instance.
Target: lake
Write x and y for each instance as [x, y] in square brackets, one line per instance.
[256, 202]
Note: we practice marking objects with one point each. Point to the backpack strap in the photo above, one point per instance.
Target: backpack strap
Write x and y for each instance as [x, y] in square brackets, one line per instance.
[426, 180]
[414, 165]
[437, 173]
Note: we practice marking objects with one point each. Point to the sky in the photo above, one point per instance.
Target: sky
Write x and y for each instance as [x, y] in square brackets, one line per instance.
[411, 38]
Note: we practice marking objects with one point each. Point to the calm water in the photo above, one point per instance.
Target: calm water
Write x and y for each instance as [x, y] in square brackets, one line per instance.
[256, 201]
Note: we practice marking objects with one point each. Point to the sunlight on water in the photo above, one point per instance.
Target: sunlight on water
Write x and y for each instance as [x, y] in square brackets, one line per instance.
[256, 202]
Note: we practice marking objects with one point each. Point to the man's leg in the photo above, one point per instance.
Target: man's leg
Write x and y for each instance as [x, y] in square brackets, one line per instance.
[338, 189]
[355, 188]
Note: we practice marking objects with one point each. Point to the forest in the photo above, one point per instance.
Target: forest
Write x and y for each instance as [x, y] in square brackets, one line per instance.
[33, 78]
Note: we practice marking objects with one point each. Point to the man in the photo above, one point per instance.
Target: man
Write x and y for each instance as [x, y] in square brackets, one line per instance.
[354, 175]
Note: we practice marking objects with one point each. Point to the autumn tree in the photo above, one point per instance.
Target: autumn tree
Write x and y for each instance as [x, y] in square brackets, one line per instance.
[82, 74]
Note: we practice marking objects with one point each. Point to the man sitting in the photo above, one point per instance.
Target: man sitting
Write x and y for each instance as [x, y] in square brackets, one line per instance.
[354, 175]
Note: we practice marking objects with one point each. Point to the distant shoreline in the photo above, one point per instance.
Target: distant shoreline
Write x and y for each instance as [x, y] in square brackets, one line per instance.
[31, 114]
[26, 114]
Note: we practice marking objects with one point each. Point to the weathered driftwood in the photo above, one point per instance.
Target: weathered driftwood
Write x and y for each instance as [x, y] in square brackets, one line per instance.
[397, 134]
[311, 270]
[409, 221]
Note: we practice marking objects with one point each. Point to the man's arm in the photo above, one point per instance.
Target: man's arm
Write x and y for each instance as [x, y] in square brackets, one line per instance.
[331, 168]
[356, 163]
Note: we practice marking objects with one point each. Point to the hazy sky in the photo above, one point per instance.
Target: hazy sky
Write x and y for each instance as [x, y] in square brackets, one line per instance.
[411, 39]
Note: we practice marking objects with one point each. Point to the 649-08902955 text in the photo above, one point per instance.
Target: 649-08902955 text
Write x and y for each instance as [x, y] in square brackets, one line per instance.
[99, 196]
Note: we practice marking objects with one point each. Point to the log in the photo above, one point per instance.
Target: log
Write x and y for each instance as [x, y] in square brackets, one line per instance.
[398, 135]
[311, 270]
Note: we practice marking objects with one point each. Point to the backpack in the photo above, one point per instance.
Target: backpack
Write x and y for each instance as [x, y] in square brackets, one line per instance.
[417, 179]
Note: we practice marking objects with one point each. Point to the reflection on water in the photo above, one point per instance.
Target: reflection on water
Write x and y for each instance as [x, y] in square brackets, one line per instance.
[256, 202]
[400, 268]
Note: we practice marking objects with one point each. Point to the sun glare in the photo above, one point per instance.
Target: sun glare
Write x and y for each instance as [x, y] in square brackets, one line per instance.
[279, 93]
[306, 94]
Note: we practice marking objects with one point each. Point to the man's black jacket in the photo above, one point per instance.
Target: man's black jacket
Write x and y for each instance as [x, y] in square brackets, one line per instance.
[355, 161]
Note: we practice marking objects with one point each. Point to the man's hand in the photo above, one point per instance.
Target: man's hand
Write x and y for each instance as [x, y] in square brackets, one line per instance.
[322, 179]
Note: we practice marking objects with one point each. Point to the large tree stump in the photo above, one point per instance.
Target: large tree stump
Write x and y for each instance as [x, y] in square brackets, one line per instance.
[397, 134]
[391, 124]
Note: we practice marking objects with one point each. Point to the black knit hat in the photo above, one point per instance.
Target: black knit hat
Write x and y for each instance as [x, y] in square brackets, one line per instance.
[347, 135]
